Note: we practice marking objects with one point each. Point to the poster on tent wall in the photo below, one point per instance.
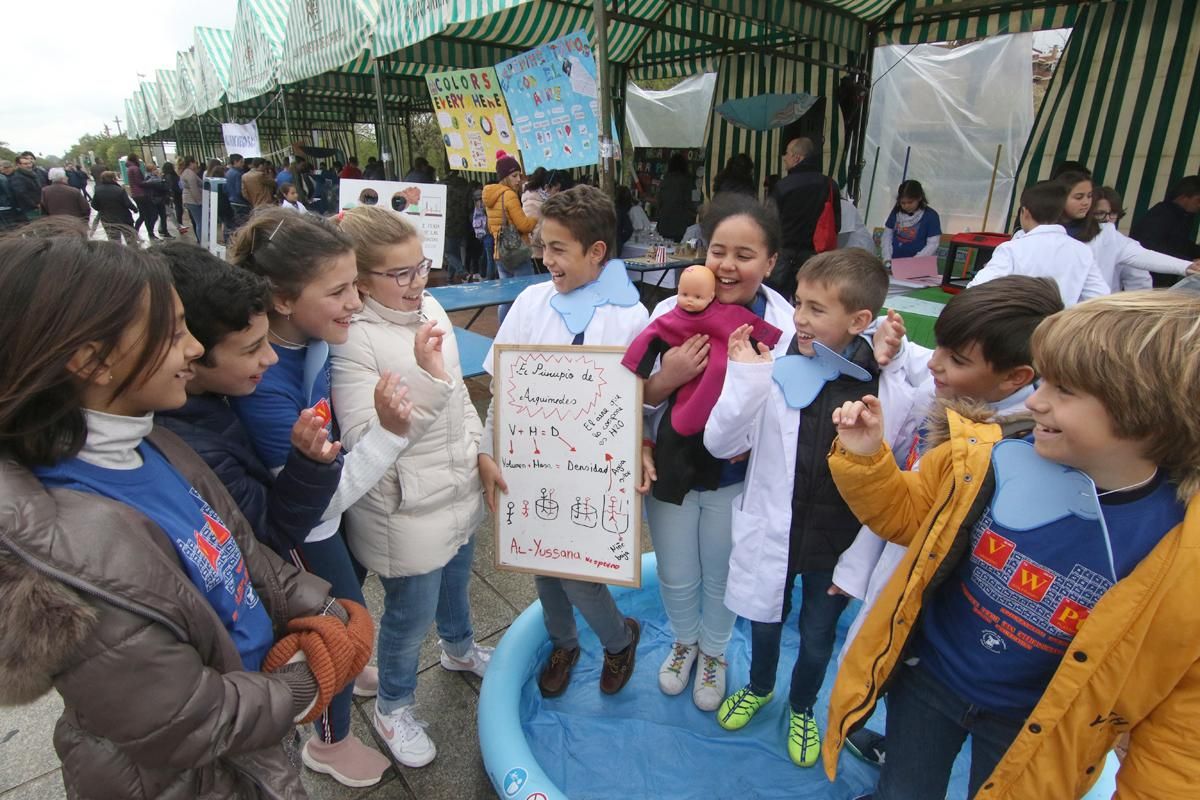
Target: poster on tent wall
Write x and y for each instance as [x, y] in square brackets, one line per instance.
[423, 205]
[241, 139]
[473, 117]
[554, 101]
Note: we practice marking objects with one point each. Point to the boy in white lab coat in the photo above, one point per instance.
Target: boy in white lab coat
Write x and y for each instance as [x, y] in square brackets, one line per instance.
[790, 521]
[1046, 250]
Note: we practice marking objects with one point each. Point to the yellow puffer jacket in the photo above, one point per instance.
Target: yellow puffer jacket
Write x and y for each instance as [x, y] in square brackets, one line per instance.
[1133, 667]
[499, 201]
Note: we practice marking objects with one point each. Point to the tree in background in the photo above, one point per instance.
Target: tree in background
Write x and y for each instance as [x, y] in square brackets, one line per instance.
[109, 148]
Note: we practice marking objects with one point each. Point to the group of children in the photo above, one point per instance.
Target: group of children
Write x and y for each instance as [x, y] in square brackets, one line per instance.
[1028, 590]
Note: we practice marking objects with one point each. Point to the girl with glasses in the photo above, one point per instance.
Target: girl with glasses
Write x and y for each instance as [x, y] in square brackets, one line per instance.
[416, 526]
[1124, 263]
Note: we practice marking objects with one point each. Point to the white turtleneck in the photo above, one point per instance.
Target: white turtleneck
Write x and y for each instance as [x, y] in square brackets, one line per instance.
[112, 440]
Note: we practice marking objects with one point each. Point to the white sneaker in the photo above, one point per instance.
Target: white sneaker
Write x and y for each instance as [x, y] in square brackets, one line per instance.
[476, 660]
[710, 683]
[676, 670]
[405, 736]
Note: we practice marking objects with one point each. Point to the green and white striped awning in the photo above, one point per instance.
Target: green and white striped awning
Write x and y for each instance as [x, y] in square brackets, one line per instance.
[149, 117]
[325, 35]
[214, 63]
[185, 84]
[1125, 100]
[166, 90]
[259, 32]
[132, 129]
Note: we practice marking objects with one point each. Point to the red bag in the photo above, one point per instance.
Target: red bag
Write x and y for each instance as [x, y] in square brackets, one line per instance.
[825, 235]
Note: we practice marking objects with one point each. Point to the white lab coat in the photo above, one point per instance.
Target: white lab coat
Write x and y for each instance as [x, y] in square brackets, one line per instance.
[1048, 251]
[751, 414]
[1125, 265]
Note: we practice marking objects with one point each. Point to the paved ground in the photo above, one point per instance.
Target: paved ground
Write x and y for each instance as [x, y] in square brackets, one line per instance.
[29, 767]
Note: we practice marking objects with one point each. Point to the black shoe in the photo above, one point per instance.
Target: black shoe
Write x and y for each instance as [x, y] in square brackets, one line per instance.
[868, 745]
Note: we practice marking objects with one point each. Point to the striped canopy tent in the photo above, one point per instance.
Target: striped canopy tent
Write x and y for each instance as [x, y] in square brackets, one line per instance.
[185, 84]
[1122, 102]
[259, 32]
[167, 88]
[214, 66]
[325, 35]
[149, 116]
[133, 129]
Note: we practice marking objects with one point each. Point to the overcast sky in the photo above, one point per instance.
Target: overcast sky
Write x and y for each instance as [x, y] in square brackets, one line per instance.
[75, 83]
[77, 76]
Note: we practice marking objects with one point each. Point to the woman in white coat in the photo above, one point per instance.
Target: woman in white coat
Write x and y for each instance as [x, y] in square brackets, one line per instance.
[1091, 216]
[692, 540]
[416, 527]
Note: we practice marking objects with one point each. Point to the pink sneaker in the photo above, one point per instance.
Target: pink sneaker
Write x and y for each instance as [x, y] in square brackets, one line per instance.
[349, 762]
[367, 682]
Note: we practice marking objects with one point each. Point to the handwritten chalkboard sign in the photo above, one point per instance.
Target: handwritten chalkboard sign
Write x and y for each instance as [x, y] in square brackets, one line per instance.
[568, 441]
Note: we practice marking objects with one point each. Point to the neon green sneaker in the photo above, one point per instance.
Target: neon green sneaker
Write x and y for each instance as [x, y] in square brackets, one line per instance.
[804, 738]
[739, 708]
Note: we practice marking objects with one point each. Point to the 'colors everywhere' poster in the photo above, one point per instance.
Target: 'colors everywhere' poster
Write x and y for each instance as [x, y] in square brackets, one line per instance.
[473, 117]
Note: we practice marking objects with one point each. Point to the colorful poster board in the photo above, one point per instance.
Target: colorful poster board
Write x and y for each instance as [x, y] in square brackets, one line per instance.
[473, 117]
[422, 204]
[554, 103]
[568, 441]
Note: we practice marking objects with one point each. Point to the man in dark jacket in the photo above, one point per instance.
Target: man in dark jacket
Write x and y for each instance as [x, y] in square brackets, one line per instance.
[800, 197]
[1170, 226]
[458, 224]
[9, 216]
[26, 187]
[226, 311]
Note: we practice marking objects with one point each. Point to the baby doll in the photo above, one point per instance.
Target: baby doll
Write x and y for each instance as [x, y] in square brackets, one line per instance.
[688, 409]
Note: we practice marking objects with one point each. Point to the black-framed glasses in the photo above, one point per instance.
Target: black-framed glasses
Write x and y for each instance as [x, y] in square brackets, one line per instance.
[403, 276]
[1108, 216]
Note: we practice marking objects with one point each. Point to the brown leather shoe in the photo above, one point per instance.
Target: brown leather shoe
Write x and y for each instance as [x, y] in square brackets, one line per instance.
[618, 667]
[556, 675]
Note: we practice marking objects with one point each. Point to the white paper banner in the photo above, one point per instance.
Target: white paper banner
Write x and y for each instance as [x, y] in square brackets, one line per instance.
[677, 117]
[241, 139]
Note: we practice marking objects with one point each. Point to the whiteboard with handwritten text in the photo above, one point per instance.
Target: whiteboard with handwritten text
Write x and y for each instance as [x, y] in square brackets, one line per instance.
[568, 441]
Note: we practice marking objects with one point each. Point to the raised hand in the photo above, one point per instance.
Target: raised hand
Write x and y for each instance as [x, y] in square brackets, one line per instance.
[428, 350]
[860, 425]
[391, 404]
[743, 352]
[887, 337]
[311, 440]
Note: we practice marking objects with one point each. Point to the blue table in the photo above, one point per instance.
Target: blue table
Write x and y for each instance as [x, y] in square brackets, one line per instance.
[472, 350]
[465, 296]
[642, 265]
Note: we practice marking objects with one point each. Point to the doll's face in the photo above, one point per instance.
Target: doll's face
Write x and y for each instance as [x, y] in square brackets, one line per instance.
[697, 287]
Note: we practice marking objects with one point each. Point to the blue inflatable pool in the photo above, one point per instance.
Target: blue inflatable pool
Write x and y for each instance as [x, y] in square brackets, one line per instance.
[643, 744]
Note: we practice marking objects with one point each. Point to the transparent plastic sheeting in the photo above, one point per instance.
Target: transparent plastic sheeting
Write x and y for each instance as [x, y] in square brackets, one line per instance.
[641, 743]
[952, 107]
[677, 117]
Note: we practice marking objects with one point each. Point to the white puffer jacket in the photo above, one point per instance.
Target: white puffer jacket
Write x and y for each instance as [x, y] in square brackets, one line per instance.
[430, 501]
